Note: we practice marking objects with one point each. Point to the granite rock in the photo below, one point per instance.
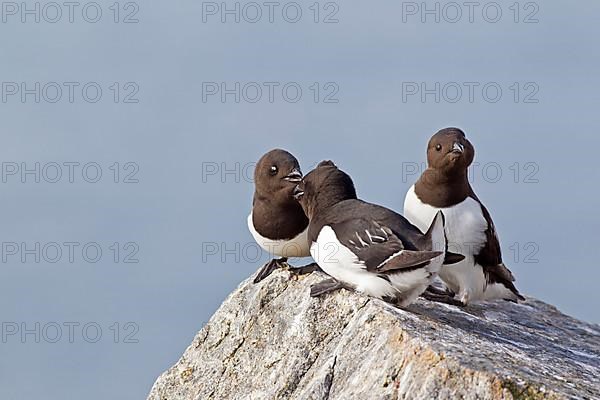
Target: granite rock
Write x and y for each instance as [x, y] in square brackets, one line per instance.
[273, 341]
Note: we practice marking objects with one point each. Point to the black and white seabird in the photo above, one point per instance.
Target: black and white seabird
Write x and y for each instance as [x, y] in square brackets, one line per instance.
[277, 221]
[444, 186]
[363, 246]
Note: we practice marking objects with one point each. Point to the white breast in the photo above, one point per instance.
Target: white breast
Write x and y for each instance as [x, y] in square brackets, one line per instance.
[465, 231]
[295, 247]
[465, 224]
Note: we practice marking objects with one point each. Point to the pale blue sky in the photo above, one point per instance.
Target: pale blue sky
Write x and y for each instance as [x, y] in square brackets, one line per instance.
[377, 132]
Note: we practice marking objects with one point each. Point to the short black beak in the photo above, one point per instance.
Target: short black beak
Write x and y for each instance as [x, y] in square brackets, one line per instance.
[457, 148]
[297, 192]
[294, 176]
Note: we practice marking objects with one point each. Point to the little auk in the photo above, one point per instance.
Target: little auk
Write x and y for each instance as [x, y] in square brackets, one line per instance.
[366, 247]
[277, 221]
[444, 186]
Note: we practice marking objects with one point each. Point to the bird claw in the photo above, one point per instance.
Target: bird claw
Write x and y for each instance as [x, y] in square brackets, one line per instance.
[325, 286]
[295, 272]
[269, 267]
[439, 292]
[445, 298]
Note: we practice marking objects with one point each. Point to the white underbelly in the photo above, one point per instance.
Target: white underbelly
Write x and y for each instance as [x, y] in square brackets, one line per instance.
[464, 276]
[465, 224]
[295, 247]
[465, 228]
[342, 264]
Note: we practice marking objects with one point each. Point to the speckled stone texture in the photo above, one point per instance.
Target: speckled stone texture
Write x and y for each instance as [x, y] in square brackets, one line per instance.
[273, 341]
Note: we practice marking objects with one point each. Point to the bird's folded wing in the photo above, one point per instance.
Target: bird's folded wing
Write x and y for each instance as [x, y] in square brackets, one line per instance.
[378, 247]
[490, 253]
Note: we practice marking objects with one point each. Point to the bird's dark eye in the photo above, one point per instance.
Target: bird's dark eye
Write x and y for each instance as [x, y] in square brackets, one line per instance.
[273, 170]
[438, 147]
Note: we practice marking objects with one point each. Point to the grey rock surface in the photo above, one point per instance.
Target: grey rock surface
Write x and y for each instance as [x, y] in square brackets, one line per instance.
[273, 341]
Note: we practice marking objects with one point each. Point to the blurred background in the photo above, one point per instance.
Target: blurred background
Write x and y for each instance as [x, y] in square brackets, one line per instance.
[130, 132]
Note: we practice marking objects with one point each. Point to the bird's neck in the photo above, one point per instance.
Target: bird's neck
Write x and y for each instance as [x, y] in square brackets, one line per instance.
[277, 220]
[329, 198]
[441, 188]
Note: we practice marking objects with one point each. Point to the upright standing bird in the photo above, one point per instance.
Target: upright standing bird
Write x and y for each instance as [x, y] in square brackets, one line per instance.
[363, 246]
[277, 221]
[444, 186]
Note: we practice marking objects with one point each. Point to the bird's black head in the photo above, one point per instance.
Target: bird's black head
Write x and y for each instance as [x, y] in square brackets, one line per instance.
[323, 187]
[276, 175]
[449, 151]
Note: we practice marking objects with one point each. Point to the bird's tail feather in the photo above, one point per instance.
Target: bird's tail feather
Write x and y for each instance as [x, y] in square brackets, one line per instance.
[435, 238]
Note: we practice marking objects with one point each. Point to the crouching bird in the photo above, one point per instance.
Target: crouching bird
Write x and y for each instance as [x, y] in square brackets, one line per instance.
[366, 247]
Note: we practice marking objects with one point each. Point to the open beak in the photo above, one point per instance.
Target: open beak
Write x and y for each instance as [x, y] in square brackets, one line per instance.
[297, 192]
[457, 148]
[294, 176]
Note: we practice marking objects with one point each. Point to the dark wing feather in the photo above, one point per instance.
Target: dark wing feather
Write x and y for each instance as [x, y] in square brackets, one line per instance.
[407, 259]
[378, 247]
[490, 256]
[371, 242]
